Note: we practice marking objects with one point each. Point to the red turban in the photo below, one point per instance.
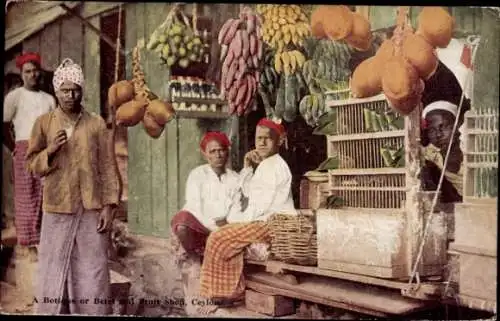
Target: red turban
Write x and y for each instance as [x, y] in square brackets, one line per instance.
[218, 136]
[28, 57]
[278, 128]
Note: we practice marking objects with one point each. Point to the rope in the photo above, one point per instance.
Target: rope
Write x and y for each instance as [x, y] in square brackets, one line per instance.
[118, 42]
[441, 178]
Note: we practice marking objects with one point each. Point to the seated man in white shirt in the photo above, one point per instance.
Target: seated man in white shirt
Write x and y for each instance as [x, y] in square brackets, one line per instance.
[268, 189]
[210, 189]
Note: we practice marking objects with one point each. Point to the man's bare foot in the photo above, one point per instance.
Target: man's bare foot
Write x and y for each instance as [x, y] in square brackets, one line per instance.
[206, 309]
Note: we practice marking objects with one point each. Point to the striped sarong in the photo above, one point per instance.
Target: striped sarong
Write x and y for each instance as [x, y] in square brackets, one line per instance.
[222, 269]
[73, 265]
[27, 199]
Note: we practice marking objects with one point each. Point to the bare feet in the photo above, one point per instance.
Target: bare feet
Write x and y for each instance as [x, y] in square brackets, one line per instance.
[206, 310]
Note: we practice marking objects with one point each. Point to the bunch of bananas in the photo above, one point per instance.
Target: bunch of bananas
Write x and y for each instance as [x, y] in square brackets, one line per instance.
[289, 61]
[175, 42]
[312, 107]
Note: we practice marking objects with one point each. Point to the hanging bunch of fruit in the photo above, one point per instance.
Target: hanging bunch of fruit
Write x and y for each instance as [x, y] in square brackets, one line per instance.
[241, 54]
[403, 62]
[269, 82]
[135, 102]
[177, 41]
[340, 23]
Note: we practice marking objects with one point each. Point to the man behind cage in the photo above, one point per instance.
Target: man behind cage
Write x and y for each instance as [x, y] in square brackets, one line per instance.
[71, 149]
[22, 106]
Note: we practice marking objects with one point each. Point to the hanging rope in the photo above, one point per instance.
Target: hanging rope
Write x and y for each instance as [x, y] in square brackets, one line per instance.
[475, 45]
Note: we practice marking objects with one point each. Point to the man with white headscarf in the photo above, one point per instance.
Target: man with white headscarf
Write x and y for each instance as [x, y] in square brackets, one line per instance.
[438, 119]
[71, 149]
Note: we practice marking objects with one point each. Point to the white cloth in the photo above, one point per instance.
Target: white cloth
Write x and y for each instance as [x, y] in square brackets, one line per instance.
[440, 105]
[450, 56]
[208, 196]
[22, 107]
[268, 190]
[68, 71]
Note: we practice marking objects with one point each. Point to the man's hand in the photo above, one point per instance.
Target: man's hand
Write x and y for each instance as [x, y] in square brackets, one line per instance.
[57, 142]
[105, 219]
[252, 159]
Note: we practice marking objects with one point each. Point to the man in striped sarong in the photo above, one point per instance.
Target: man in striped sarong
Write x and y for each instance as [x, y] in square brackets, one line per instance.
[266, 188]
[22, 106]
[71, 149]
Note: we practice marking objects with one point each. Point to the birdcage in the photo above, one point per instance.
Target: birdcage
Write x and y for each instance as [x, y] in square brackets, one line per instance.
[370, 144]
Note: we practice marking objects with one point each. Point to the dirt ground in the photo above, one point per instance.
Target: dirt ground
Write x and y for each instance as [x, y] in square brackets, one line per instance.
[13, 300]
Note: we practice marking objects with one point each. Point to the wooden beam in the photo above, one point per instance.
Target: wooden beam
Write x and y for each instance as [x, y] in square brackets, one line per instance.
[107, 39]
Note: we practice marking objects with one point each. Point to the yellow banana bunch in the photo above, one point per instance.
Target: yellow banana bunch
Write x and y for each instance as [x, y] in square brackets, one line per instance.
[288, 62]
[283, 25]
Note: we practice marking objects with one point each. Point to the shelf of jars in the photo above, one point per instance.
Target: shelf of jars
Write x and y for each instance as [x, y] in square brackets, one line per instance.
[194, 97]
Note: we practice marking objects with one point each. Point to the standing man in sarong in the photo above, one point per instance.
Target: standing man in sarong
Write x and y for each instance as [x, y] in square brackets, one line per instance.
[22, 106]
[71, 148]
[267, 188]
[210, 189]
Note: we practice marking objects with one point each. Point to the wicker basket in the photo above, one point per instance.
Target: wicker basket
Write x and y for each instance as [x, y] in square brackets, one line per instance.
[294, 238]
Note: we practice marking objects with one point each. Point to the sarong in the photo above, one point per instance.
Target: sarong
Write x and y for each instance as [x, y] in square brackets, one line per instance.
[199, 233]
[73, 265]
[222, 269]
[27, 199]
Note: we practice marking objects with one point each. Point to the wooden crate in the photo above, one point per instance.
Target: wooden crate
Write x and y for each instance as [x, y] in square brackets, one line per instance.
[273, 305]
[478, 272]
[378, 242]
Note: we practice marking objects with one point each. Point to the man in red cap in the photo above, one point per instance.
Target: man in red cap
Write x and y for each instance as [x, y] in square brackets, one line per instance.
[22, 106]
[210, 190]
[266, 185]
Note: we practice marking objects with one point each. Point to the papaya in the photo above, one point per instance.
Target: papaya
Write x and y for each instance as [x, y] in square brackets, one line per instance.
[161, 111]
[366, 79]
[130, 113]
[436, 25]
[360, 37]
[339, 23]
[420, 54]
[399, 78]
[152, 128]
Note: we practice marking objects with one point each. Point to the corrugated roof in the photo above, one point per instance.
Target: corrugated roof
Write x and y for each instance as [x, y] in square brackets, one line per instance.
[24, 19]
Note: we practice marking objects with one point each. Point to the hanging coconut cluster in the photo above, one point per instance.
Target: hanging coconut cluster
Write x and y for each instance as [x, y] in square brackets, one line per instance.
[340, 23]
[403, 62]
[135, 102]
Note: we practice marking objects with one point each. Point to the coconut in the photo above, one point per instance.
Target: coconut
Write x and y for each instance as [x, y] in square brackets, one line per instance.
[131, 113]
[366, 79]
[120, 92]
[385, 52]
[161, 112]
[399, 77]
[420, 54]
[360, 37]
[340, 22]
[317, 23]
[436, 25]
[152, 128]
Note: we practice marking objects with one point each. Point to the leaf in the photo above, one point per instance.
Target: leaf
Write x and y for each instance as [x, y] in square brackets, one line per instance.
[334, 201]
[329, 163]
[327, 124]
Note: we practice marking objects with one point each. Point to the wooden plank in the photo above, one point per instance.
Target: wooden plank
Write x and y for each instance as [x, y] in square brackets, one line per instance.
[50, 45]
[477, 303]
[91, 63]
[374, 135]
[367, 171]
[428, 288]
[72, 42]
[201, 114]
[33, 44]
[352, 101]
[370, 298]
[476, 226]
[273, 305]
[157, 75]
[173, 201]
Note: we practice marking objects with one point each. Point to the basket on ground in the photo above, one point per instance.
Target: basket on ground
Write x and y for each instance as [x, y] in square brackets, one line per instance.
[294, 238]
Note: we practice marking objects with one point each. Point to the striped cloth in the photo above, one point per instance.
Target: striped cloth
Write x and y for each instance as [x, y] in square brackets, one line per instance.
[27, 200]
[222, 269]
[73, 265]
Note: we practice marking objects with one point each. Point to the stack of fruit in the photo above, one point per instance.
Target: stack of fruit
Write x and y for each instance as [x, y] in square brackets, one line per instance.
[241, 54]
[340, 23]
[403, 62]
[135, 102]
[176, 42]
[284, 28]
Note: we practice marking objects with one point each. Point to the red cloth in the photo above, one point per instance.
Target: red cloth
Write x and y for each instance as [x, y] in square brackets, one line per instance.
[28, 57]
[218, 136]
[198, 235]
[27, 199]
[466, 57]
[278, 128]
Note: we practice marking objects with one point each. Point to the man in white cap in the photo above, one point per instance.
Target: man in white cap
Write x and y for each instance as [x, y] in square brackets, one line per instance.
[437, 129]
[71, 149]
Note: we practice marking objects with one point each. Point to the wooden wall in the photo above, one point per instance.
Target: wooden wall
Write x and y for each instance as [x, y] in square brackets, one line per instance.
[158, 168]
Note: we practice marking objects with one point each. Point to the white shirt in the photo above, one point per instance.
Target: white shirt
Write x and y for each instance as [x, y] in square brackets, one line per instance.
[208, 196]
[269, 191]
[22, 107]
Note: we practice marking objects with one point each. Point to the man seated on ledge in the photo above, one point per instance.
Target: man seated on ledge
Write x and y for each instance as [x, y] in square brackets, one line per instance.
[210, 189]
[266, 187]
